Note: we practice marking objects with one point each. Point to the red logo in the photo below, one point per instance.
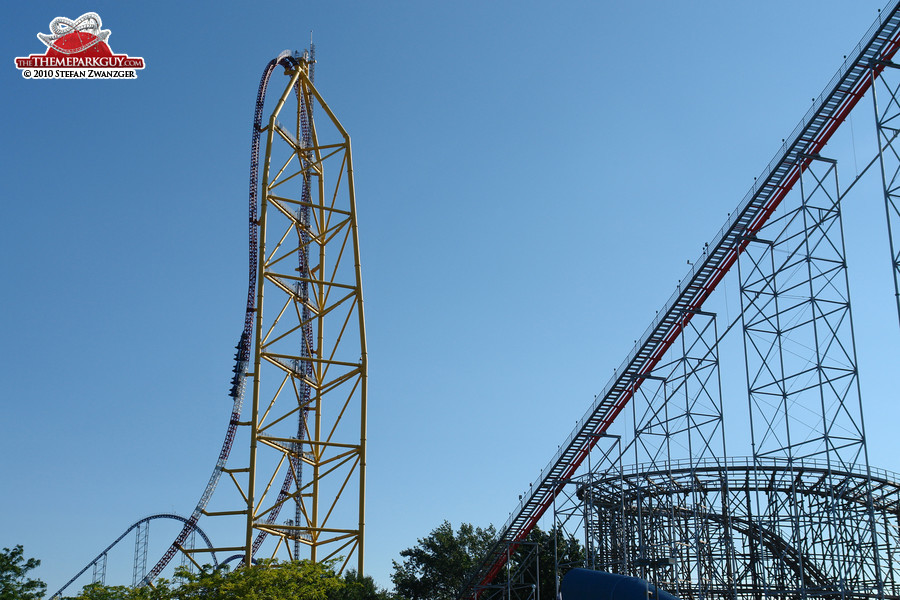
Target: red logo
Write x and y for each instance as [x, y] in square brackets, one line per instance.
[78, 50]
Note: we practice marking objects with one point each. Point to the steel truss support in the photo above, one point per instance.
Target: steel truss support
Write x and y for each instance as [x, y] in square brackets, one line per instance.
[581, 513]
[99, 570]
[521, 578]
[602, 520]
[804, 397]
[303, 487]
[758, 558]
[678, 418]
[187, 550]
[660, 520]
[141, 542]
[574, 520]
[578, 514]
[886, 101]
[679, 413]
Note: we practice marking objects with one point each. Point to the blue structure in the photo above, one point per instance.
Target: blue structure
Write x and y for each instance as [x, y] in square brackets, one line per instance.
[585, 584]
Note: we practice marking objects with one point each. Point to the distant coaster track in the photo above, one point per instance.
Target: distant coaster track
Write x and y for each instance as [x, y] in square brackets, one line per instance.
[171, 516]
[829, 110]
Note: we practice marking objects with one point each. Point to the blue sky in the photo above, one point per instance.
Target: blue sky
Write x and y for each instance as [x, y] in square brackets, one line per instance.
[531, 180]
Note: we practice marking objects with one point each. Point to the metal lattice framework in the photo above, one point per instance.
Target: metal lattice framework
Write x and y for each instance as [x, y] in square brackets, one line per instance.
[142, 531]
[740, 553]
[307, 419]
[765, 529]
[798, 330]
[886, 99]
[804, 393]
[804, 515]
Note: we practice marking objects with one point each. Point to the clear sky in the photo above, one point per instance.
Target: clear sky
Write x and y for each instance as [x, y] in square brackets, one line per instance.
[531, 180]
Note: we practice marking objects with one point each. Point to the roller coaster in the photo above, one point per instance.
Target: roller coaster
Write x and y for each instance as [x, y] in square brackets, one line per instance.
[646, 478]
[765, 529]
[303, 354]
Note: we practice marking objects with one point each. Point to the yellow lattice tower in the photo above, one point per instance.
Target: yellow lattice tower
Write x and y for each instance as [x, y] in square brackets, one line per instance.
[308, 414]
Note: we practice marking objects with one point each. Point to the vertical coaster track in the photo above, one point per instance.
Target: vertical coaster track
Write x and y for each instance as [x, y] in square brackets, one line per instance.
[244, 348]
[293, 475]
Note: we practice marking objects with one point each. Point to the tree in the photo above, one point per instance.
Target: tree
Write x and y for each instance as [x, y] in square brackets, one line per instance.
[98, 591]
[358, 587]
[14, 583]
[441, 563]
[267, 580]
[437, 567]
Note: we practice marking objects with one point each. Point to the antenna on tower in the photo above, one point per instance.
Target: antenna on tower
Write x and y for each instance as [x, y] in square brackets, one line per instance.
[312, 58]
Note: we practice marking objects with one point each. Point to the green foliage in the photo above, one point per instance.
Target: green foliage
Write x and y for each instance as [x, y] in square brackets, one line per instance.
[268, 580]
[14, 582]
[96, 591]
[441, 563]
[357, 587]
[437, 567]
[264, 581]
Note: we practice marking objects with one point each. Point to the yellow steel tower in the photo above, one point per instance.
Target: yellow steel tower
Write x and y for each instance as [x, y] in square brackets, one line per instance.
[305, 490]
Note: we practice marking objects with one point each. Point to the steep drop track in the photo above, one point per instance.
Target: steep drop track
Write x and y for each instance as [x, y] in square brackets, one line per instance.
[242, 356]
